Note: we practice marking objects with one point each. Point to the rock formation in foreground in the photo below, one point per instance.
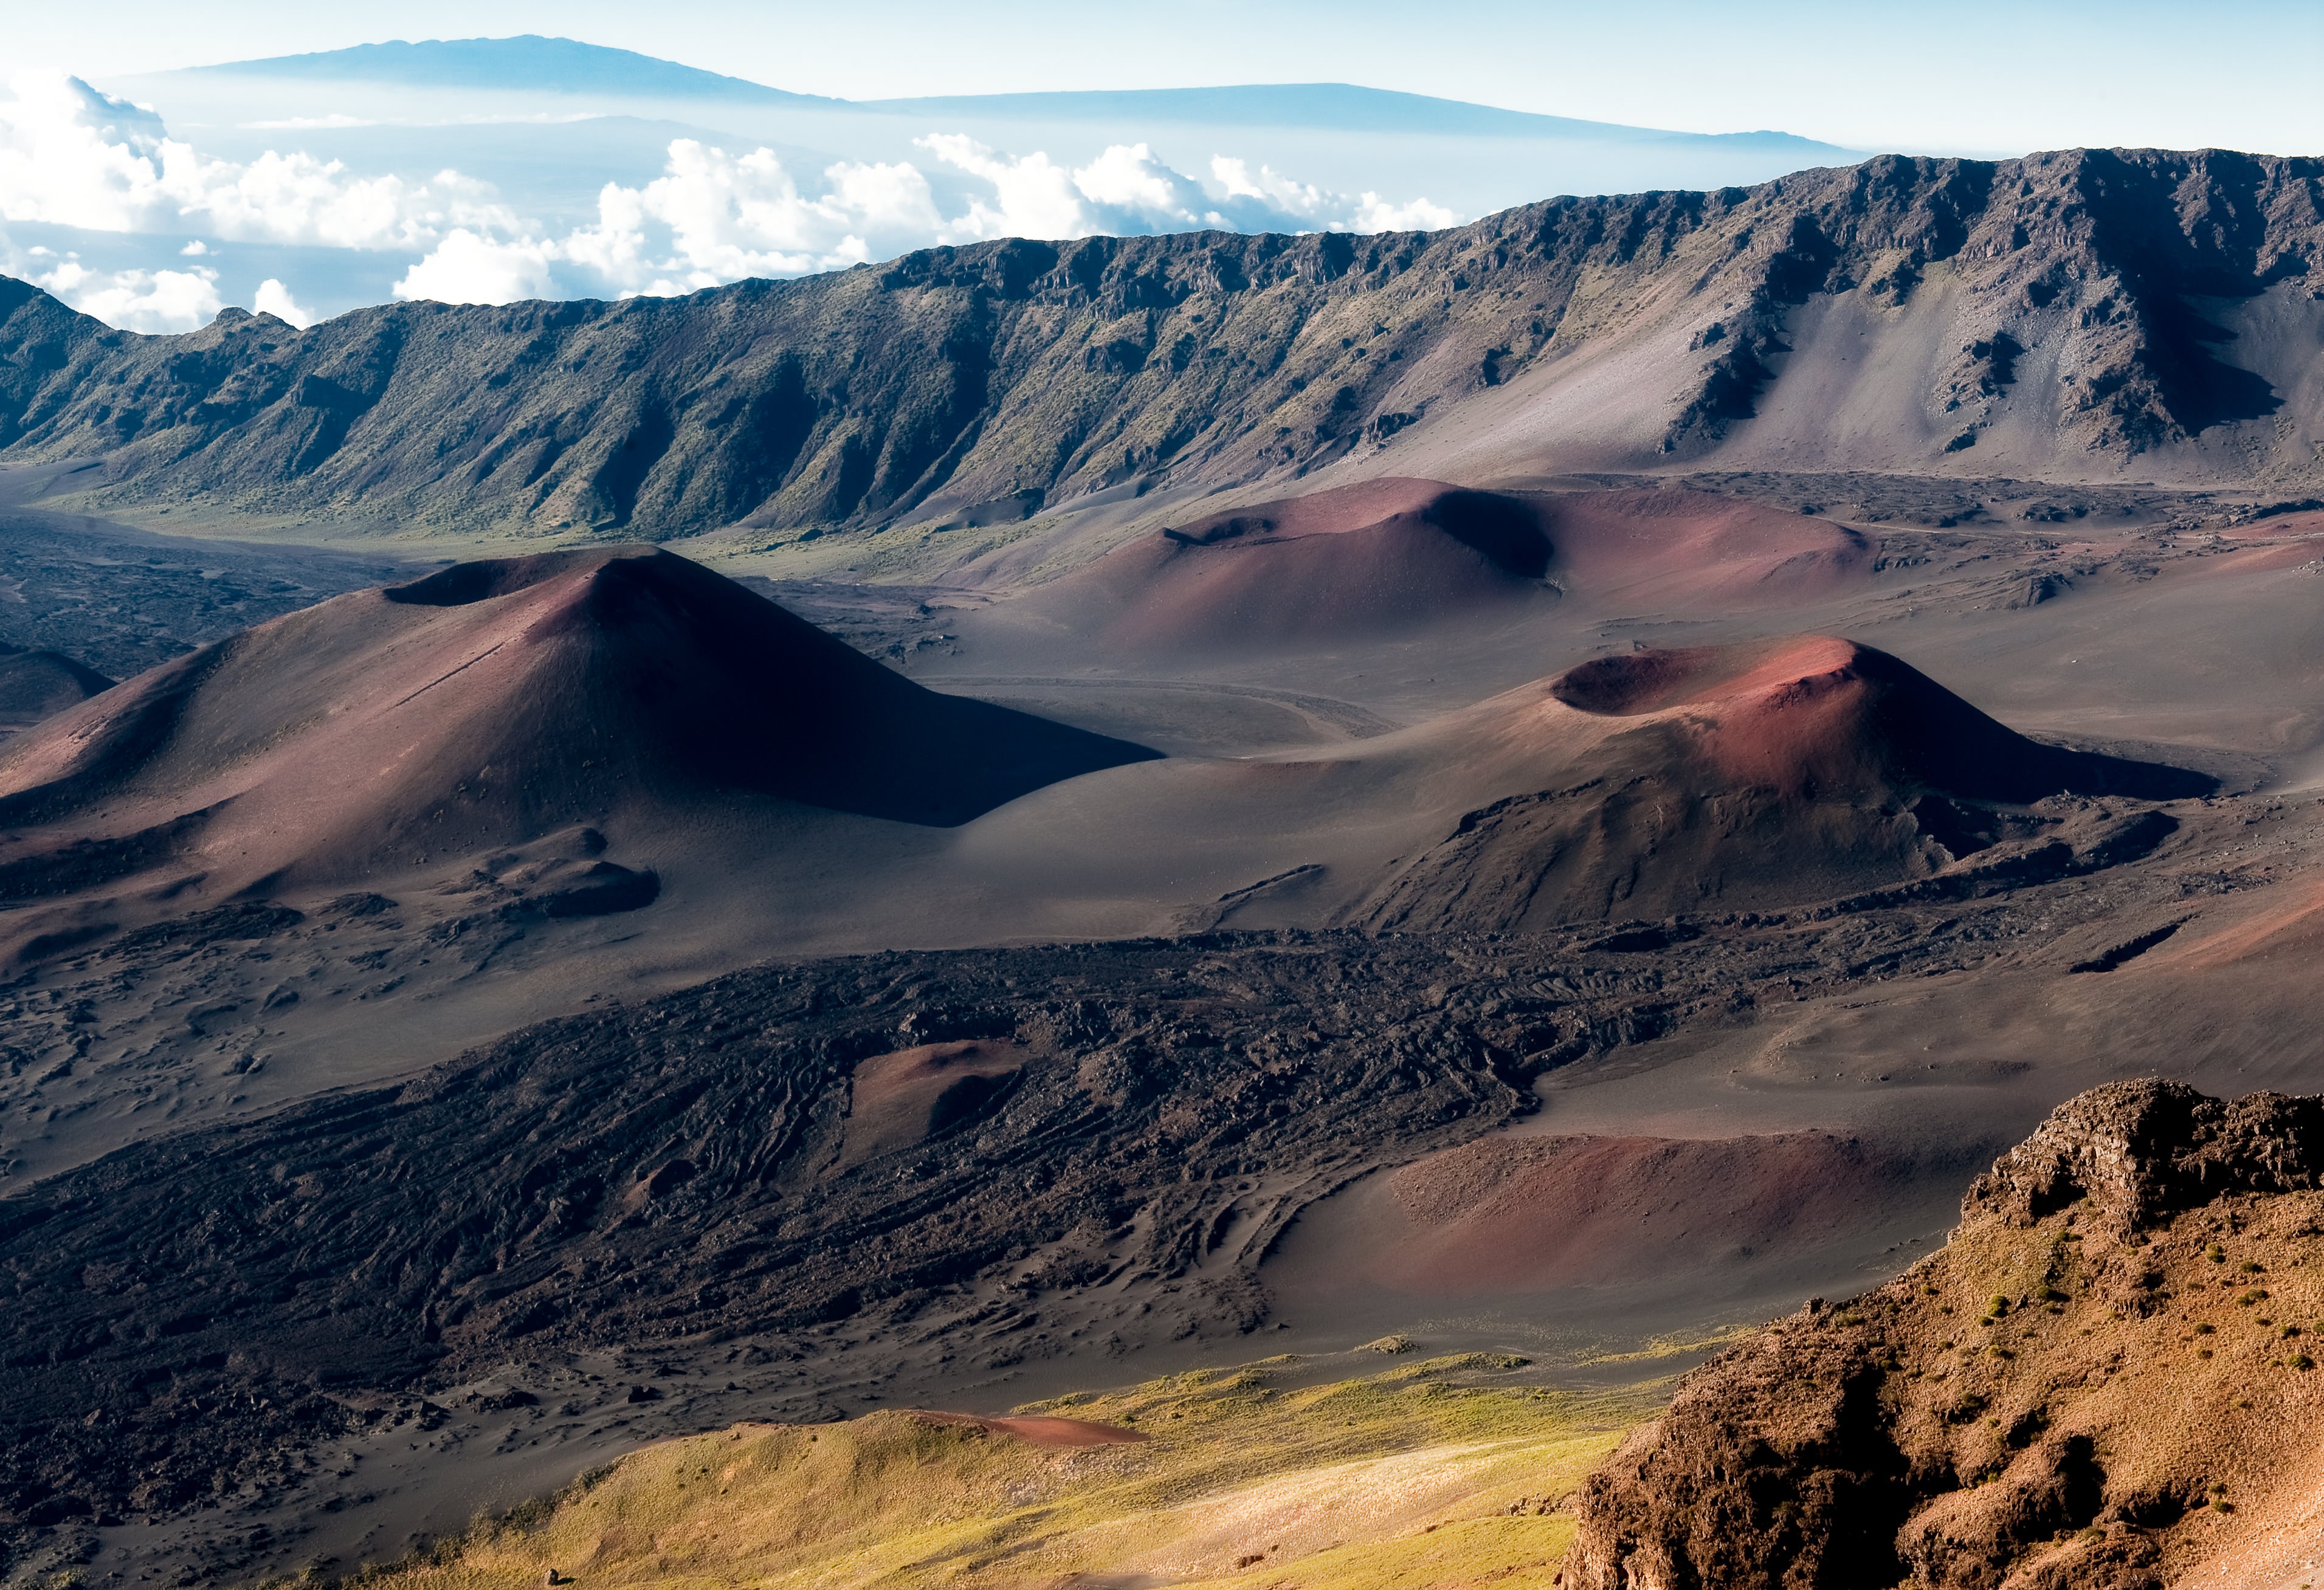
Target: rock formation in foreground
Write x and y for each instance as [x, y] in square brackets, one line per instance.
[2105, 1381]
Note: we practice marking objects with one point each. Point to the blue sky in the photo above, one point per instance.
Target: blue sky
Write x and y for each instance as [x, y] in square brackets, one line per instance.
[1975, 75]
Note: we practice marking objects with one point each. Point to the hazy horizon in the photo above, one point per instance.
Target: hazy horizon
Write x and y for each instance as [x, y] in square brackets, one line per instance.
[1993, 77]
[151, 197]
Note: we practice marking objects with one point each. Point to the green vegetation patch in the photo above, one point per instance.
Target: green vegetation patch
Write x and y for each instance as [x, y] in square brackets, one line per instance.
[1429, 1472]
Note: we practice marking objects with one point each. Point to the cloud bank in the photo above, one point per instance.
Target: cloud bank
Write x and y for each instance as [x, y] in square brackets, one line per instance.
[74, 157]
[132, 301]
[714, 217]
[70, 156]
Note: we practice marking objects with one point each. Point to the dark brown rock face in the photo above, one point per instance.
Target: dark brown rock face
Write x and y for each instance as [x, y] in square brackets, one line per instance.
[2142, 1149]
[2032, 1408]
[1788, 1480]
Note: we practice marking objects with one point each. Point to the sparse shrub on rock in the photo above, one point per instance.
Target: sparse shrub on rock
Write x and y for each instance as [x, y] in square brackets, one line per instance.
[2067, 1438]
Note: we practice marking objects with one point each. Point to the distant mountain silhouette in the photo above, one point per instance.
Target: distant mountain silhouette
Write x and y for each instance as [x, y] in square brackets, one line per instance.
[1344, 106]
[532, 63]
[528, 61]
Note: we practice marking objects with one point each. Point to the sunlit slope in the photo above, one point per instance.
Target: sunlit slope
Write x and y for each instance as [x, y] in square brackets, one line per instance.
[1417, 1476]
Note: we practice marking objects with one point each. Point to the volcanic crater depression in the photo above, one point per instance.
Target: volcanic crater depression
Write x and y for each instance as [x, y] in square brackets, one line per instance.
[1072, 833]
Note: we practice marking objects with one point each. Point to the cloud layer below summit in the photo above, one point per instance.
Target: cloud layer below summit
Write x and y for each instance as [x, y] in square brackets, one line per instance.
[77, 160]
[713, 216]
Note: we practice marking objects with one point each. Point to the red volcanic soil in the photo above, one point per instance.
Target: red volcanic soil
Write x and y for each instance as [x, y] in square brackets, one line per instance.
[2281, 930]
[1365, 559]
[1040, 1430]
[1692, 549]
[1391, 555]
[901, 1098]
[490, 703]
[1753, 777]
[1507, 1215]
[1814, 715]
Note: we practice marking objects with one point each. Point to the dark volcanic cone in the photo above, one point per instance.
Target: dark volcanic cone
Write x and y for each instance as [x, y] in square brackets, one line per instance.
[493, 703]
[1390, 557]
[1770, 774]
[1816, 715]
[1361, 560]
[39, 685]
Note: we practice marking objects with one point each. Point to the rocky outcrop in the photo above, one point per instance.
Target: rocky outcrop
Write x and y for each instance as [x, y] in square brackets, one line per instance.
[2140, 1151]
[1020, 373]
[2098, 1382]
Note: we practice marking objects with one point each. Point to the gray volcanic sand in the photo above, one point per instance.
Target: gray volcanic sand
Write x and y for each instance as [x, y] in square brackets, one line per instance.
[2199, 646]
[2201, 643]
[119, 600]
[1826, 1125]
[2132, 631]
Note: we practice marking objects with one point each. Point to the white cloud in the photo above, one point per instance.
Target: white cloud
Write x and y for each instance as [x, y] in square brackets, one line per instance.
[70, 156]
[1372, 212]
[1124, 190]
[74, 157]
[1128, 180]
[466, 268]
[297, 198]
[1236, 176]
[1334, 212]
[713, 217]
[615, 247]
[274, 299]
[1127, 191]
[730, 216]
[137, 301]
[1034, 196]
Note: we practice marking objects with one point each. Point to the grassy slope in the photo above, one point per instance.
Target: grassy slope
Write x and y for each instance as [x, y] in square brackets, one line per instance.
[1414, 1477]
